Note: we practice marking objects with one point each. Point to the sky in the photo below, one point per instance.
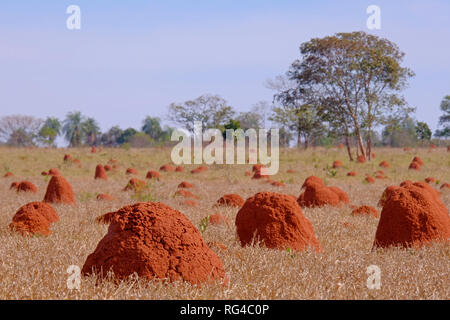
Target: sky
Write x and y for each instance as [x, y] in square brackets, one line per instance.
[132, 58]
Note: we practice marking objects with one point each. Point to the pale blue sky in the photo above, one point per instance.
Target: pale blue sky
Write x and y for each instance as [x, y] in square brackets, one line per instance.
[133, 58]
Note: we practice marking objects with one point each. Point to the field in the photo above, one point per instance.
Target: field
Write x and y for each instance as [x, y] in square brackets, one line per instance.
[35, 267]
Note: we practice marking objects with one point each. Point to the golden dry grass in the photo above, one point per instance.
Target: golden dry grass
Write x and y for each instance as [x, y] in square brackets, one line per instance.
[35, 267]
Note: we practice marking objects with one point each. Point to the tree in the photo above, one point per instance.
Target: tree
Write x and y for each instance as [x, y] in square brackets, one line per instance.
[19, 130]
[110, 138]
[423, 132]
[126, 135]
[91, 130]
[212, 110]
[73, 128]
[49, 131]
[444, 120]
[400, 132]
[250, 120]
[359, 72]
[152, 127]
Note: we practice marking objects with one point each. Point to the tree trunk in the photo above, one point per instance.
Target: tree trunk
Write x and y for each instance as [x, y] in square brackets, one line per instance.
[306, 143]
[299, 139]
[369, 146]
[349, 149]
[360, 141]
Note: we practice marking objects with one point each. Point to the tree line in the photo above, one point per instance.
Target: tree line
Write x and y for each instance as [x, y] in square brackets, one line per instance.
[345, 88]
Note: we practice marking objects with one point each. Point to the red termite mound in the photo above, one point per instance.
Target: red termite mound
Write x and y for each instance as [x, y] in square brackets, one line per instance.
[185, 193]
[54, 172]
[59, 190]
[257, 167]
[316, 194]
[8, 174]
[44, 173]
[14, 185]
[199, 169]
[153, 175]
[351, 174]
[167, 168]
[361, 159]
[418, 160]
[104, 196]
[26, 186]
[278, 184]
[230, 200]
[131, 171]
[34, 218]
[366, 210]
[135, 185]
[384, 164]
[100, 172]
[291, 171]
[107, 167]
[369, 179]
[337, 164]
[414, 166]
[412, 215]
[93, 149]
[156, 242]
[185, 185]
[277, 221]
[430, 180]
[218, 219]
[445, 186]
[179, 169]
[190, 203]
[68, 157]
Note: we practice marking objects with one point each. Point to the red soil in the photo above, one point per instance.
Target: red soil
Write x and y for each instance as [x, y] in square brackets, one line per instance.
[156, 242]
[185, 185]
[100, 172]
[412, 215]
[153, 174]
[276, 221]
[167, 168]
[34, 218]
[26, 186]
[131, 171]
[384, 164]
[366, 210]
[135, 185]
[316, 194]
[59, 191]
[231, 200]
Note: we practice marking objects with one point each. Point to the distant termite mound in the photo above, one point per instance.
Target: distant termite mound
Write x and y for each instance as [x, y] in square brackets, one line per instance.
[59, 190]
[100, 172]
[316, 194]
[230, 200]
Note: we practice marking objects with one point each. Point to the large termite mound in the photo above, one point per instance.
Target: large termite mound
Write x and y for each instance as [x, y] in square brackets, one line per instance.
[412, 215]
[275, 220]
[317, 194]
[100, 172]
[34, 218]
[230, 200]
[156, 242]
[26, 186]
[59, 190]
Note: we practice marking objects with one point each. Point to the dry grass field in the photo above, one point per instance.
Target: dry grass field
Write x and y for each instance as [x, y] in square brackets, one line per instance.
[35, 267]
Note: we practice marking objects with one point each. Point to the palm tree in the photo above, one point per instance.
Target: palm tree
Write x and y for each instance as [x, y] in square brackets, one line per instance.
[91, 130]
[73, 128]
